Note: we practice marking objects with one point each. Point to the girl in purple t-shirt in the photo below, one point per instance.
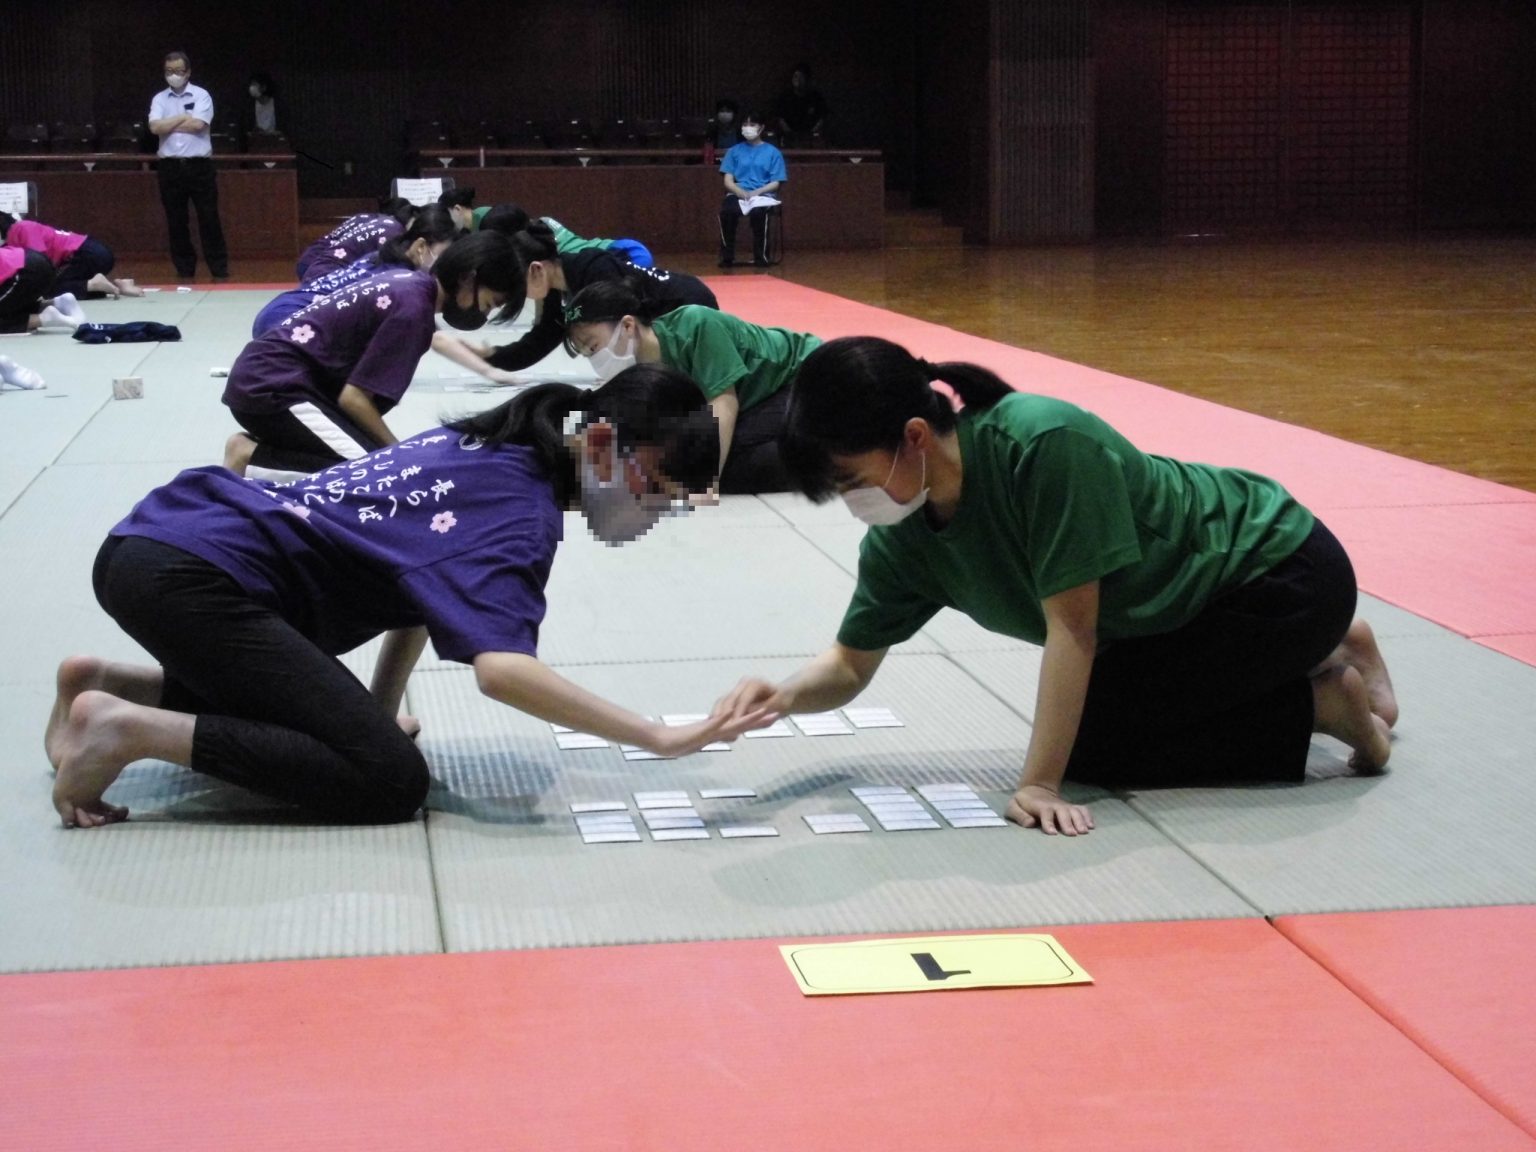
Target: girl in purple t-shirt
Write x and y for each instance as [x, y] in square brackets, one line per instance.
[354, 238]
[314, 390]
[244, 591]
[81, 262]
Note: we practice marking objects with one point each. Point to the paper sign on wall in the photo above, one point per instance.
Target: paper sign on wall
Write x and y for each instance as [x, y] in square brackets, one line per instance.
[420, 192]
[14, 199]
[931, 964]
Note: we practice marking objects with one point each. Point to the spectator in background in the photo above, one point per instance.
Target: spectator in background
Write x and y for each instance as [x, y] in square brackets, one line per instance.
[753, 169]
[181, 115]
[724, 129]
[801, 109]
[261, 105]
[80, 262]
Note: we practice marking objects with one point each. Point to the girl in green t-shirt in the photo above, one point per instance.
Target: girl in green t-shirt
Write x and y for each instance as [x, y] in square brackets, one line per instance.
[1197, 622]
[743, 369]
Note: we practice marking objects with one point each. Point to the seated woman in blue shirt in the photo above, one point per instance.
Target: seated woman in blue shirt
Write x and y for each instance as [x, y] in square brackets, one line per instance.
[754, 170]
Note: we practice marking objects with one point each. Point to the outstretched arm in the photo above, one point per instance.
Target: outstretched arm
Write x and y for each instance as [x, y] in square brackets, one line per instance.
[524, 683]
[828, 681]
[402, 648]
[359, 405]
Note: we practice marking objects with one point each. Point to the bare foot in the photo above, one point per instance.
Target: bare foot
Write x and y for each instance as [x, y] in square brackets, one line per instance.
[79, 674]
[94, 748]
[1342, 709]
[99, 283]
[238, 450]
[127, 287]
[1360, 652]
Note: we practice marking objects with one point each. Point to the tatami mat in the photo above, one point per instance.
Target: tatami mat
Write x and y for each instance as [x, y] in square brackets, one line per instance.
[1214, 1035]
[1444, 826]
[513, 872]
[201, 873]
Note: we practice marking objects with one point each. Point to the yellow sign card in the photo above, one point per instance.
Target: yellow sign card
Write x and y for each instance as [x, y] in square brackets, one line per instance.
[931, 964]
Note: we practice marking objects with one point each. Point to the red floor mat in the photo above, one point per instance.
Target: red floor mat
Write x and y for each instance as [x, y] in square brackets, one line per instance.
[1196, 1035]
[1456, 980]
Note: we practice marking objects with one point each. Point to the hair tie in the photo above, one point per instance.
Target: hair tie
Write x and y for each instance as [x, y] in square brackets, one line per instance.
[928, 369]
[574, 419]
[572, 315]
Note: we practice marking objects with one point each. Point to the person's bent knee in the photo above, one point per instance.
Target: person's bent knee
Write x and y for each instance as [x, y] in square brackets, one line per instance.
[398, 789]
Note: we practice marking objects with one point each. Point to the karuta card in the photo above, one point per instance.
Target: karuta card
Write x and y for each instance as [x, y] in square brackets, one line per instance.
[872, 718]
[746, 831]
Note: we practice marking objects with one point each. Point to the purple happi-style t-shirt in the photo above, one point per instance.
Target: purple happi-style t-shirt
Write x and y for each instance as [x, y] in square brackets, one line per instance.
[370, 334]
[356, 236]
[437, 530]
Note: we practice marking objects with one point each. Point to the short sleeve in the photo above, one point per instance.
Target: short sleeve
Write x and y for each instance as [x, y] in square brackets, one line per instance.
[203, 108]
[1079, 523]
[885, 609]
[488, 599]
[778, 171]
[395, 349]
[714, 361]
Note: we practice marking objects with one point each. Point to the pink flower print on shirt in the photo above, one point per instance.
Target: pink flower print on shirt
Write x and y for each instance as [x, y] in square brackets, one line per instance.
[443, 521]
[383, 303]
[298, 510]
[339, 253]
[303, 334]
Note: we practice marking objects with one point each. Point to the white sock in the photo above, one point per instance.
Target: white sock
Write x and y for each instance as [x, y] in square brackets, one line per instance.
[51, 315]
[66, 303]
[17, 376]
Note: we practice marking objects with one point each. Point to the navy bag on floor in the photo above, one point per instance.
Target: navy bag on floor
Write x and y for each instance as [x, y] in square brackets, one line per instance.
[138, 332]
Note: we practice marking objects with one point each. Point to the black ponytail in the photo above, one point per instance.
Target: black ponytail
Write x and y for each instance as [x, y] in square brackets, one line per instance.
[535, 242]
[6, 220]
[432, 224]
[398, 207]
[508, 219]
[647, 404]
[460, 197]
[856, 395]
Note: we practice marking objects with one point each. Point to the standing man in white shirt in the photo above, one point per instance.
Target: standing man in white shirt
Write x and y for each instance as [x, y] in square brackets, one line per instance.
[181, 115]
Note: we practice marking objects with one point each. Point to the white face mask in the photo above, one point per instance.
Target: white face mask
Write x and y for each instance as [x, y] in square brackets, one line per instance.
[750, 131]
[876, 506]
[614, 513]
[176, 82]
[607, 361]
[725, 117]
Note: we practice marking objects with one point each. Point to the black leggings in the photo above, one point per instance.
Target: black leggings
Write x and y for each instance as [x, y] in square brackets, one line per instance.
[274, 713]
[1226, 698]
[90, 259]
[22, 295]
[753, 463]
[306, 438]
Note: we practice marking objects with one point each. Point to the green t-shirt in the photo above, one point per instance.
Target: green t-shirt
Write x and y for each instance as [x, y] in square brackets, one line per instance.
[567, 241]
[1052, 497]
[722, 351]
[478, 215]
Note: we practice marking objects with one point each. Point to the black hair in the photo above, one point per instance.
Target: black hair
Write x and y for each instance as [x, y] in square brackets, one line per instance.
[647, 404]
[268, 88]
[6, 220]
[508, 219]
[485, 260]
[457, 197]
[856, 394]
[432, 224]
[535, 242]
[177, 55]
[751, 117]
[727, 104]
[398, 207]
[803, 68]
[606, 302]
